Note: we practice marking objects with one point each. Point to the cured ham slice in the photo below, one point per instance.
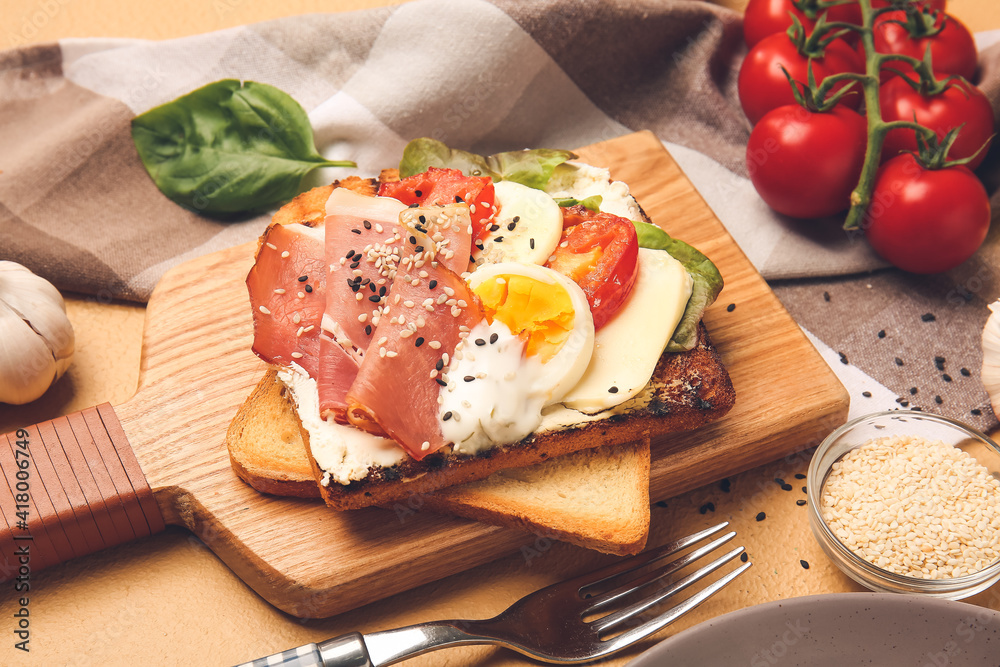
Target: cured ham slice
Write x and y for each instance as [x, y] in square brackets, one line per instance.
[287, 287]
[426, 314]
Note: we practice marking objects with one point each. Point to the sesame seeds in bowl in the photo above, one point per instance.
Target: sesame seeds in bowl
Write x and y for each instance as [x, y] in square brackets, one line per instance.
[906, 501]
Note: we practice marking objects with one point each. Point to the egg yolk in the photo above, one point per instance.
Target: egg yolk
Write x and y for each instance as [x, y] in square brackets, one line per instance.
[540, 313]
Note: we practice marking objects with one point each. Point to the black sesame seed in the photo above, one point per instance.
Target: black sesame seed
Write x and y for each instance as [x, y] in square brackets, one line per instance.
[725, 485]
[881, 333]
[843, 357]
[965, 372]
[366, 281]
[786, 487]
[413, 240]
[356, 231]
[804, 490]
[731, 307]
[706, 508]
[367, 224]
[804, 564]
[302, 279]
[479, 244]
[661, 503]
[516, 218]
[381, 290]
[761, 516]
[799, 475]
[439, 365]
[939, 362]
[779, 481]
[374, 298]
[531, 242]
[899, 362]
[494, 338]
[946, 377]
[371, 286]
[469, 378]
[418, 342]
[511, 226]
[826, 296]
[494, 227]
[414, 205]
[498, 239]
[927, 317]
[913, 391]
[350, 253]
[459, 200]
[976, 411]
[903, 402]
[309, 288]
[744, 557]
[480, 342]
[938, 400]
[612, 390]
[420, 228]
[446, 416]
[432, 284]
[441, 382]
[422, 219]
[800, 502]
[418, 193]
[368, 330]
[418, 248]
[866, 394]
[355, 265]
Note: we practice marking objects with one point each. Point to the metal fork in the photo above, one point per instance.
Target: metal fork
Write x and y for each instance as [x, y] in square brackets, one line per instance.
[553, 624]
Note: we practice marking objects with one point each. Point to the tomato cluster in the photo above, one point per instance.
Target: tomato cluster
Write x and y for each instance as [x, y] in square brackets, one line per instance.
[927, 211]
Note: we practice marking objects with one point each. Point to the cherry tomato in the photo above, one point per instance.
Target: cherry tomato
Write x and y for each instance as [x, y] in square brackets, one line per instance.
[762, 85]
[805, 164]
[959, 103]
[766, 17]
[446, 186]
[600, 253]
[953, 51]
[923, 220]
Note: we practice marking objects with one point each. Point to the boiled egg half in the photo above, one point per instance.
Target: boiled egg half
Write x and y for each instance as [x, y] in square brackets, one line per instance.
[533, 347]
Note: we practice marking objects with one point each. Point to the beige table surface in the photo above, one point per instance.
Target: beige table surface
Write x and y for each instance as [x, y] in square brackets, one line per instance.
[168, 600]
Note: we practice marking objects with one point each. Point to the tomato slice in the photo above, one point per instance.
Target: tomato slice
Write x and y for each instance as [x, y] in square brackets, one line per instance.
[600, 253]
[447, 186]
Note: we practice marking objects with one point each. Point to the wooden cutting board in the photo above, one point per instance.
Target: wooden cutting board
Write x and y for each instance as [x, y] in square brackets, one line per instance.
[197, 368]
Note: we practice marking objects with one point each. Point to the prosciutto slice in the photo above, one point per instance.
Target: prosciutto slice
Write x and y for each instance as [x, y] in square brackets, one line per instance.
[428, 311]
[287, 292]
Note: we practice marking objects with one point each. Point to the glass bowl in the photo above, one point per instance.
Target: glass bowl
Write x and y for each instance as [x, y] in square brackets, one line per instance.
[856, 433]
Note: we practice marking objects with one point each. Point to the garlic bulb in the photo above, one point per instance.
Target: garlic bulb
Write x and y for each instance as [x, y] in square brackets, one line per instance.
[991, 357]
[36, 337]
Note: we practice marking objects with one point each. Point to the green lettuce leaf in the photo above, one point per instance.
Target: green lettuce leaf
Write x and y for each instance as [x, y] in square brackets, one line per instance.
[592, 202]
[707, 281]
[532, 168]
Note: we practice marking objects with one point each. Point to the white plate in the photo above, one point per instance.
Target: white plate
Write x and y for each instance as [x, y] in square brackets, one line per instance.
[839, 630]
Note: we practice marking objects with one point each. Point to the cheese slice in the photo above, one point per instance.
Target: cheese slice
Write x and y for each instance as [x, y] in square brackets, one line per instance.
[627, 349]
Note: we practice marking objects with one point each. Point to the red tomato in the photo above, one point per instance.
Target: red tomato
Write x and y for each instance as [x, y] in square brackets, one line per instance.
[926, 221]
[805, 164]
[763, 86]
[953, 51]
[766, 17]
[447, 186]
[960, 103]
[600, 253]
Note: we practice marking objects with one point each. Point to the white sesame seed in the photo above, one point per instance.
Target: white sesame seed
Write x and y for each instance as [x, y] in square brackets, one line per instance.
[297, 355]
[296, 318]
[407, 303]
[263, 309]
[362, 317]
[280, 290]
[271, 245]
[435, 345]
[285, 254]
[390, 354]
[425, 446]
[405, 333]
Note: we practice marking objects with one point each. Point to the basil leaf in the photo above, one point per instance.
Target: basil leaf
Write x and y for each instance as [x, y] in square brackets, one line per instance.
[228, 147]
[421, 154]
[592, 202]
[532, 168]
[707, 281]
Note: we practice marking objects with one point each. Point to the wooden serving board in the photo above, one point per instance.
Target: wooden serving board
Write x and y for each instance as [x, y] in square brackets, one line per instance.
[197, 368]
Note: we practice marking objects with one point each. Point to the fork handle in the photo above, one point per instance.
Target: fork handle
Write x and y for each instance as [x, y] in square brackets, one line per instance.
[344, 651]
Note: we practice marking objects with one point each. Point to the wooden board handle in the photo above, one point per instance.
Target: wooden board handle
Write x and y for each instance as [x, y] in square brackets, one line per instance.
[70, 486]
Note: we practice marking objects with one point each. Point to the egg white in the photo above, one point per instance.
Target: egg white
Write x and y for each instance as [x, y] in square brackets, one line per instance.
[504, 400]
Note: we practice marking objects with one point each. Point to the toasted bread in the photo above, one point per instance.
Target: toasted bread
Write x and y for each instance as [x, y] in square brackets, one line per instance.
[598, 498]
